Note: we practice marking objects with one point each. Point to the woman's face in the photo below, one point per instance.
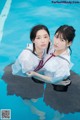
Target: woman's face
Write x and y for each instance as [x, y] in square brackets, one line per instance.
[42, 39]
[60, 43]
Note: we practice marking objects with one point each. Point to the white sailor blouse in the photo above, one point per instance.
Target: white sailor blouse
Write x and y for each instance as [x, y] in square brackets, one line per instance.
[27, 61]
[57, 67]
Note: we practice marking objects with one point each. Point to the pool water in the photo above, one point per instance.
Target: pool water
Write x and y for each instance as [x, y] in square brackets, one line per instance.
[16, 20]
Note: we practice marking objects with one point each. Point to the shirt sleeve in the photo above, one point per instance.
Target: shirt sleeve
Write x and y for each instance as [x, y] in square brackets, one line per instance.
[57, 71]
[16, 67]
[62, 73]
[24, 62]
[27, 61]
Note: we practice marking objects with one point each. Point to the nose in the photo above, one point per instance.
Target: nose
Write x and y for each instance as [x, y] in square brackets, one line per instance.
[42, 40]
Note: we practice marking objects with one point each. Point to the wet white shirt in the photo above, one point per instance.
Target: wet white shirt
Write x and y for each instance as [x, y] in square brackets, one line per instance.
[27, 61]
[58, 67]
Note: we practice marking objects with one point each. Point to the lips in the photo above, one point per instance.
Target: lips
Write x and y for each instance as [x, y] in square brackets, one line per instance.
[43, 45]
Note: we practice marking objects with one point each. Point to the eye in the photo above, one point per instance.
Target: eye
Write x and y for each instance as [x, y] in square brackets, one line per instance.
[62, 40]
[45, 36]
[37, 37]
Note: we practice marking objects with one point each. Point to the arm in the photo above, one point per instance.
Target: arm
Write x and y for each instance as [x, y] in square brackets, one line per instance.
[50, 77]
[40, 77]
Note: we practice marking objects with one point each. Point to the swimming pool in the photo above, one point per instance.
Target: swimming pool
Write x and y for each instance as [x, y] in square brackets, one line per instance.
[16, 20]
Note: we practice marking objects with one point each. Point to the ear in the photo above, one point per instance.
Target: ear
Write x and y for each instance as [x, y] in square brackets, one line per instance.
[69, 44]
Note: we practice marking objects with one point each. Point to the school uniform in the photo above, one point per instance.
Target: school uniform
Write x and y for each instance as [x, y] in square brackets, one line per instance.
[27, 61]
[57, 67]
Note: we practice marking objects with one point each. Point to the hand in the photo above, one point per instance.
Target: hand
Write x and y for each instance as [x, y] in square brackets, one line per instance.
[30, 74]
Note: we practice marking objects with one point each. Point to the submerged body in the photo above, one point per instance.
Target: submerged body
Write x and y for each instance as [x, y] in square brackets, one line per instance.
[58, 65]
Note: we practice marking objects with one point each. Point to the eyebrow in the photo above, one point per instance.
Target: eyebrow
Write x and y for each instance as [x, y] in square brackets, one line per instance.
[40, 35]
[60, 35]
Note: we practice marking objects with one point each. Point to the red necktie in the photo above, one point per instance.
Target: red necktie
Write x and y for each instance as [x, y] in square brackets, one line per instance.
[41, 63]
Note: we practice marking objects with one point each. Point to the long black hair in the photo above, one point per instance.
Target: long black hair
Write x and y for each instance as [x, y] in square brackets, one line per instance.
[34, 31]
[67, 32]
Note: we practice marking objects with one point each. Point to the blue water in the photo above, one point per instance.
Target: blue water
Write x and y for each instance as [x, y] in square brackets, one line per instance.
[22, 16]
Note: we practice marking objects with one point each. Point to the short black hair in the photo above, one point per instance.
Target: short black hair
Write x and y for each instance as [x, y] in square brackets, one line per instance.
[67, 32]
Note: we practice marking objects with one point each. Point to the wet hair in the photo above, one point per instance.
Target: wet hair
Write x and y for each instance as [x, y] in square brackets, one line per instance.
[67, 33]
[34, 31]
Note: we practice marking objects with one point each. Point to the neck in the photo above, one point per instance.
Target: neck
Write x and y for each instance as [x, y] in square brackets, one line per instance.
[39, 52]
[58, 52]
